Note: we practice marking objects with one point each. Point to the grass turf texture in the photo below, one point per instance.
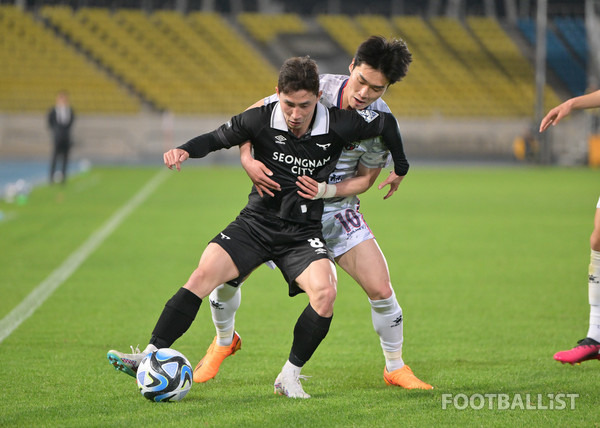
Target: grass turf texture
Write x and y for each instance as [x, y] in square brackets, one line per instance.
[489, 265]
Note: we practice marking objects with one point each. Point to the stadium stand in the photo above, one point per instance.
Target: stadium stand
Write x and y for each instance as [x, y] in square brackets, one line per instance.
[420, 93]
[500, 98]
[462, 94]
[342, 29]
[265, 27]
[173, 62]
[200, 64]
[445, 76]
[36, 64]
[560, 60]
[572, 30]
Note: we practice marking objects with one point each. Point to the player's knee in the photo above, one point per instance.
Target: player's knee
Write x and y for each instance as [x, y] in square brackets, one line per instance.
[201, 282]
[380, 291]
[595, 240]
[224, 292]
[329, 294]
[322, 300]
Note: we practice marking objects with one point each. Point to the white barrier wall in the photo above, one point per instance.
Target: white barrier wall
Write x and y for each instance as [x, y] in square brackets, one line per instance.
[146, 136]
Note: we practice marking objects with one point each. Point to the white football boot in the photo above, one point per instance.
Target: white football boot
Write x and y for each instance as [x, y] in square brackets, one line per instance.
[128, 363]
[288, 384]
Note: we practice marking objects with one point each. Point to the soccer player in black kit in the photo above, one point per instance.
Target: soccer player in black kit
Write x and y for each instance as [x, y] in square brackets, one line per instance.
[295, 137]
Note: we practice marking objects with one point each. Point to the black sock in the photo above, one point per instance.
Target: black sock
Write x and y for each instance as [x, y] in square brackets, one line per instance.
[177, 316]
[310, 330]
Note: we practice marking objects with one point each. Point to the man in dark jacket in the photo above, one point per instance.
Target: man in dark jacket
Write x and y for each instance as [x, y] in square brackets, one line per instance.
[60, 121]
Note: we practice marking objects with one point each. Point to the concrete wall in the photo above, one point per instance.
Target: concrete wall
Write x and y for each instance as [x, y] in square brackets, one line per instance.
[144, 137]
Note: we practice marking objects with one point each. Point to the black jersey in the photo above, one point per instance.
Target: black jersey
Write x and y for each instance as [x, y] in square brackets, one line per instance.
[314, 154]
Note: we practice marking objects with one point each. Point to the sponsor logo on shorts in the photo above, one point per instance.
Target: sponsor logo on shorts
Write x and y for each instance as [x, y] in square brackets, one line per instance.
[318, 245]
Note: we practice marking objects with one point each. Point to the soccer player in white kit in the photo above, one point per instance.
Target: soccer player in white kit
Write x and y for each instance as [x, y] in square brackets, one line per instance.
[589, 347]
[377, 64]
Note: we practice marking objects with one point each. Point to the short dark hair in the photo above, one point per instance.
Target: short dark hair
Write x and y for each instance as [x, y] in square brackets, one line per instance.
[297, 74]
[389, 56]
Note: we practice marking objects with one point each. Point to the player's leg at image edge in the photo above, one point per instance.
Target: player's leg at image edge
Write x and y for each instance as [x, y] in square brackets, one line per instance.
[588, 348]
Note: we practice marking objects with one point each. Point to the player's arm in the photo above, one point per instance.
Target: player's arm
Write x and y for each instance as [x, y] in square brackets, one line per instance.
[364, 179]
[577, 103]
[174, 158]
[378, 124]
[234, 133]
[394, 181]
[256, 170]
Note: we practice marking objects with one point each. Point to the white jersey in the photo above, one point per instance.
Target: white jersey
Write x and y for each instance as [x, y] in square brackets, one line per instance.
[372, 153]
[343, 225]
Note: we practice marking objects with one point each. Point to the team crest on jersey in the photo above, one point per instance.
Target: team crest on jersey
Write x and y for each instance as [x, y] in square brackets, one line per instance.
[368, 115]
[324, 146]
[280, 139]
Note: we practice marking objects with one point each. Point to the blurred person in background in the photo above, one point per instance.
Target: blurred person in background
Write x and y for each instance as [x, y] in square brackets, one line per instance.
[589, 347]
[60, 121]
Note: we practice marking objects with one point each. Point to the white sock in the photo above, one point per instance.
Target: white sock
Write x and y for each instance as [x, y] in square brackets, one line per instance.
[224, 302]
[594, 296]
[387, 321]
[149, 348]
[291, 369]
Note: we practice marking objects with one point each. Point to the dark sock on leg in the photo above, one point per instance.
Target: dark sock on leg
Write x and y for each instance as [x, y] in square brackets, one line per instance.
[310, 330]
[177, 316]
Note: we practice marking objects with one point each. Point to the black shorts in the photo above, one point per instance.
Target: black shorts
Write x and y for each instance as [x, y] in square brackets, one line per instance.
[253, 238]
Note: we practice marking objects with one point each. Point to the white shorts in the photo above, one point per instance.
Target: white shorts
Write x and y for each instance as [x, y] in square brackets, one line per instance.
[344, 229]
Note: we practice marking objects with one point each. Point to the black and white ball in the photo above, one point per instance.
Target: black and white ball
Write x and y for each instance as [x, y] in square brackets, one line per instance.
[164, 375]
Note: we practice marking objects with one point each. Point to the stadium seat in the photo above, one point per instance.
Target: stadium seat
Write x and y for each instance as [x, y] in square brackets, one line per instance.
[559, 59]
[265, 27]
[36, 64]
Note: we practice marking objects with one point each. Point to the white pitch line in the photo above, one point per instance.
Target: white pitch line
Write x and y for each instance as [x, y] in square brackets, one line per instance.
[45, 289]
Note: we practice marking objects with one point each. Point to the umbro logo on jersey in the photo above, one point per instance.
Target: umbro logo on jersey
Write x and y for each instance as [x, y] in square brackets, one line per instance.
[324, 146]
[223, 236]
[280, 139]
[368, 115]
[321, 251]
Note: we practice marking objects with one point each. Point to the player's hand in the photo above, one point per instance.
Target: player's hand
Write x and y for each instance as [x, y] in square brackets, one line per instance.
[308, 187]
[555, 115]
[394, 181]
[174, 158]
[311, 189]
[259, 174]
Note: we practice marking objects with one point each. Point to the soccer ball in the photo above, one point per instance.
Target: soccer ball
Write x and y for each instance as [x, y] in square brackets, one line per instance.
[164, 375]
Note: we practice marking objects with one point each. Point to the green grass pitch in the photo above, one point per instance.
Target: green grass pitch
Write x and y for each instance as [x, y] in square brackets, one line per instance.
[489, 266]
